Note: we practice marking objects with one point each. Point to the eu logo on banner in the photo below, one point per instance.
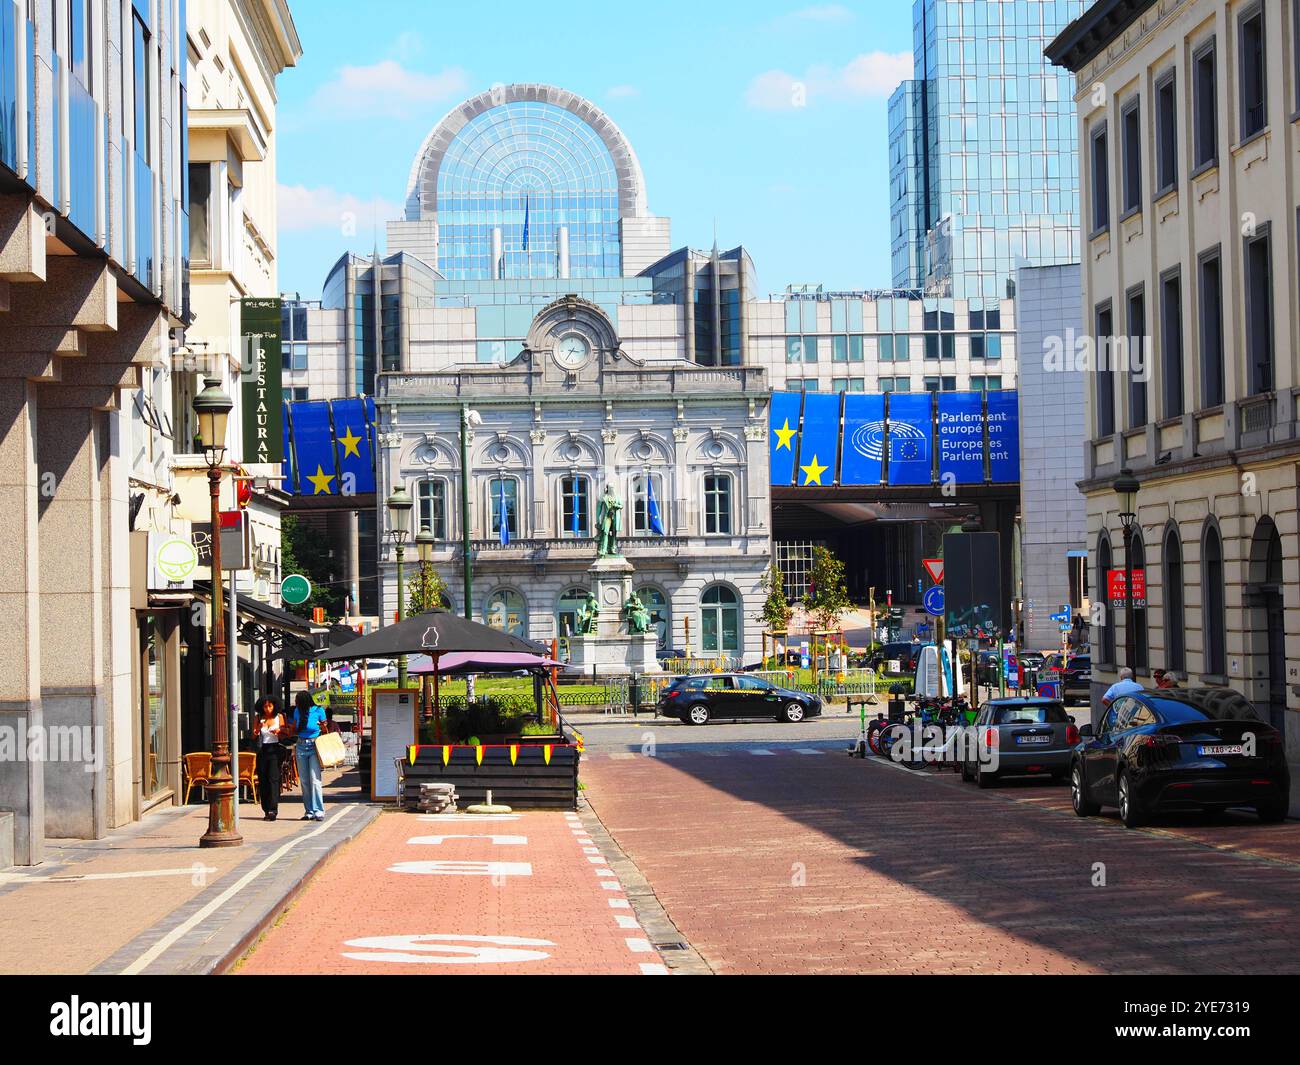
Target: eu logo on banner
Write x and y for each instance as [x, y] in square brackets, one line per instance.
[911, 433]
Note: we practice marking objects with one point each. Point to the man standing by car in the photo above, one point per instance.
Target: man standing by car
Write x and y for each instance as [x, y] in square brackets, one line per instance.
[1126, 685]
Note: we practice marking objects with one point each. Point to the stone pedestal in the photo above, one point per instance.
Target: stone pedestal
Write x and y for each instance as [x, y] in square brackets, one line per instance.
[611, 649]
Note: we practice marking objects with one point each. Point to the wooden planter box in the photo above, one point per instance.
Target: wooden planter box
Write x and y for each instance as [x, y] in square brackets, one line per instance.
[524, 776]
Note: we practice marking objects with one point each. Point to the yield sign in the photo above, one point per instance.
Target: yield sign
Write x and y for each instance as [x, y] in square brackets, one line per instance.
[934, 567]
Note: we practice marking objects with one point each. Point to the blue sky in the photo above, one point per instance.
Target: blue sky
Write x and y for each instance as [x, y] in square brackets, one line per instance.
[768, 117]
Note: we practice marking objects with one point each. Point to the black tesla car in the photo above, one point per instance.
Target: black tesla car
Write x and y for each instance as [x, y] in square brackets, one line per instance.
[701, 699]
[1166, 750]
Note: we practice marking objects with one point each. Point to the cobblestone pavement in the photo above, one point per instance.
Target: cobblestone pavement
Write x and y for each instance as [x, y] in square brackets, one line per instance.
[515, 893]
[783, 855]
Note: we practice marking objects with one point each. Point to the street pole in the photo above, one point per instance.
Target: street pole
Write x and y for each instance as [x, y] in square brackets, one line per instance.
[466, 561]
[401, 610]
[233, 656]
[1130, 637]
[221, 789]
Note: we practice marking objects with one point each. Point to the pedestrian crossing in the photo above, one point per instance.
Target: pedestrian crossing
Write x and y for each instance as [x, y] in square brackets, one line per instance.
[670, 754]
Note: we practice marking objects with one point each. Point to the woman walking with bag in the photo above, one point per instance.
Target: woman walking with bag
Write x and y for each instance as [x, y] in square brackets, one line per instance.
[267, 729]
[308, 719]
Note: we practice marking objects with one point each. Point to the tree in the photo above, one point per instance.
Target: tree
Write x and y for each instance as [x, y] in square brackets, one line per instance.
[304, 550]
[776, 608]
[427, 592]
[828, 595]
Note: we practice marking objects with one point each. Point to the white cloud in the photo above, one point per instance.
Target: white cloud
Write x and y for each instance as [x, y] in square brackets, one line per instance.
[623, 92]
[387, 88]
[868, 76]
[302, 209]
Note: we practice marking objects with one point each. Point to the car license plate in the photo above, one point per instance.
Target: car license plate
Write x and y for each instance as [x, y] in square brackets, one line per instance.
[1033, 739]
[1223, 748]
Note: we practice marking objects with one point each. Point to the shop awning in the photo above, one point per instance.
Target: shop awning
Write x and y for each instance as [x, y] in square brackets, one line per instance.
[293, 630]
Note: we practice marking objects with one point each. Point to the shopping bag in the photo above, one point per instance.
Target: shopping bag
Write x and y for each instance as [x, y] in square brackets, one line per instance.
[330, 749]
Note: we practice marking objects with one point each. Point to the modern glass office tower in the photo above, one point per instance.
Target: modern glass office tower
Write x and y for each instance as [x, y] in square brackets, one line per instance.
[984, 173]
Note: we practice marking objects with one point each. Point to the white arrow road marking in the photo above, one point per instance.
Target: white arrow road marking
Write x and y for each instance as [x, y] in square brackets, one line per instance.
[434, 949]
[498, 841]
[450, 868]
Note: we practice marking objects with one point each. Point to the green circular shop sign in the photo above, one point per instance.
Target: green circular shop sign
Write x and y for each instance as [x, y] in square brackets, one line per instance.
[176, 559]
[295, 590]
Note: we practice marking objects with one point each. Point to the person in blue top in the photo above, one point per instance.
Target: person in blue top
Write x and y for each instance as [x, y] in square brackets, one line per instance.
[308, 723]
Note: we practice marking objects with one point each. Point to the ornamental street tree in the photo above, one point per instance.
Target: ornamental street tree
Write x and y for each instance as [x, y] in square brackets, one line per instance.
[777, 610]
[828, 595]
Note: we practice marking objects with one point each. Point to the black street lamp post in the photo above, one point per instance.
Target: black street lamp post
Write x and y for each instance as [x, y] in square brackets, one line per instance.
[212, 408]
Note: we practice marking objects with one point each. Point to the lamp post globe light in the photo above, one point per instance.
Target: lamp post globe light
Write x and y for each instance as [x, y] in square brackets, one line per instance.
[1126, 487]
[212, 411]
[469, 421]
[399, 506]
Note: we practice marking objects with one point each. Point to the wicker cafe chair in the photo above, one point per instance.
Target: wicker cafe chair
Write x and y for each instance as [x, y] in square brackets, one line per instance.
[198, 772]
[248, 772]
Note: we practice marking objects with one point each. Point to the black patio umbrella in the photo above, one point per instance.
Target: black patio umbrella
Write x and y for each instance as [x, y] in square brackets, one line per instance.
[436, 633]
[341, 634]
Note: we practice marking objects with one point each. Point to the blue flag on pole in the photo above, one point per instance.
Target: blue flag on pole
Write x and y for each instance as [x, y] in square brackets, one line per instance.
[652, 508]
[528, 202]
[576, 524]
[504, 523]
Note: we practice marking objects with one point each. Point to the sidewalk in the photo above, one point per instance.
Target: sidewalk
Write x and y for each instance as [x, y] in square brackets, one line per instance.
[147, 899]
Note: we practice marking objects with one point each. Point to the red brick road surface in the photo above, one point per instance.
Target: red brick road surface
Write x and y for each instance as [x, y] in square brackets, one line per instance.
[817, 863]
[358, 915]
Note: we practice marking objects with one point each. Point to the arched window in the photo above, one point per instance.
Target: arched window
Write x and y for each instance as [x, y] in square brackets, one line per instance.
[507, 611]
[431, 503]
[719, 620]
[1213, 622]
[1103, 589]
[656, 602]
[575, 507]
[566, 611]
[1141, 640]
[1175, 604]
[717, 504]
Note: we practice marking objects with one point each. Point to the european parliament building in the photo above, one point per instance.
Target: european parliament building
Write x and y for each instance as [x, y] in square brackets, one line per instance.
[530, 296]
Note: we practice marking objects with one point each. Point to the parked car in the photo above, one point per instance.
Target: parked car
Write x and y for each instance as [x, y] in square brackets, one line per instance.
[1203, 748]
[700, 699]
[670, 654]
[378, 671]
[1030, 736]
[906, 654]
[1077, 676]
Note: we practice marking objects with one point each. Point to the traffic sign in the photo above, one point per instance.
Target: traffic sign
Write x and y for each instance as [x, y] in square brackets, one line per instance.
[295, 589]
[934, 601]
[1065, 616]
[934, 567]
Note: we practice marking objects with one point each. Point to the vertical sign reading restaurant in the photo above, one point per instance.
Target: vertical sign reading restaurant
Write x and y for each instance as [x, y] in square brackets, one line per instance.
[263, 380]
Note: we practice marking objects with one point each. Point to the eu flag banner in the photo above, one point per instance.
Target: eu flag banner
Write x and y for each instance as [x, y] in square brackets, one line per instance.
[313, 442]
[911, 436]
[1004, 437]
[290, 475]
[864, 438]
[961, 437]
[819, 441]
[352, 439]
[652, 508]
[783, 434]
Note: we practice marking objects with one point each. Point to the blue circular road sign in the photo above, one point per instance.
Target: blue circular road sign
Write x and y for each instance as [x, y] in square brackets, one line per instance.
[934, 601]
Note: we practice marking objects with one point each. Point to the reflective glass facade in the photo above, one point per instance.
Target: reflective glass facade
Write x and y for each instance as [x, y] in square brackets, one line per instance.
[530, 169]
[983, 162]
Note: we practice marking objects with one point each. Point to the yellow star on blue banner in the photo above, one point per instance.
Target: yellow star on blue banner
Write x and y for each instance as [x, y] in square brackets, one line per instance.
[321, 482]
[350, 443]
[812, 473]
[784, 435]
